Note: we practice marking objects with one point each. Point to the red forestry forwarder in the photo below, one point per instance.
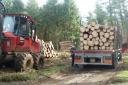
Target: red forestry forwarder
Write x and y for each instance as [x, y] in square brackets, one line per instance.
[18, 41]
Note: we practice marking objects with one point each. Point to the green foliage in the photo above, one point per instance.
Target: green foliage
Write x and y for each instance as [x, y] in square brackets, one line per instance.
[14, 6]
[90, 18]
[56, 21]
[100, 14]
[60, 20]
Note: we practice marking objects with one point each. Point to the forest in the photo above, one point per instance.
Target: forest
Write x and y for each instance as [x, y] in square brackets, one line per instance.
[61, 21]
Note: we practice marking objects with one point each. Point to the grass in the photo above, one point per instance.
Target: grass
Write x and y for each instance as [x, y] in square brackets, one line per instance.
[52, 66]
[6, 76]
[122, 75]
[126, 60]
[51, 70]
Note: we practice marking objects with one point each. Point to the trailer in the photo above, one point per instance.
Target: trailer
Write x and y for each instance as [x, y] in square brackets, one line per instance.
[99, 57]
[107, 57]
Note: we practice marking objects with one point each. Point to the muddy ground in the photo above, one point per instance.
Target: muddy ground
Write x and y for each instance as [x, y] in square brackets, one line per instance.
[89, 75]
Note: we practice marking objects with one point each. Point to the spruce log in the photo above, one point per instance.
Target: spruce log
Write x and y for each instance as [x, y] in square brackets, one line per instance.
[86, 47]
[106, 35]
[104, 30]
[111, 38]
[103, 48]
[106, 44]
[101, 44]
[92, 28]
[101, 33]
[81, 39]
[93, 24]
[85, 36]
[97, 38]
[97, 26]
[82, 29]
[98, 30]
[90, 36]
[92, 48]
[85, 42]
[89, 26]
[104, 40]
[90, 43]
[94, 34]
[108, 30]
[95, 47]
[86, 29]
[112, 28]
[96, 42]
[81, 34]
[112, 33]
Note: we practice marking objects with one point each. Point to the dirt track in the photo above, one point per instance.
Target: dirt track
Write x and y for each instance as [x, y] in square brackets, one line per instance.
[94, 77]
[90, 75]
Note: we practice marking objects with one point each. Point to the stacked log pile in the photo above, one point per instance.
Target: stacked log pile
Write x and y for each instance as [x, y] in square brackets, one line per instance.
[48, 50]
[66, 45]
[96, 37]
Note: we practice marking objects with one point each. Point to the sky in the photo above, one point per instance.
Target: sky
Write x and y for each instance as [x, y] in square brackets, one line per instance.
[84, 6]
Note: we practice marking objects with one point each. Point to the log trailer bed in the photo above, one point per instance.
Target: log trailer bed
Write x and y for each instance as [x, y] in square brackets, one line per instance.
[99, 56]
[96, 57]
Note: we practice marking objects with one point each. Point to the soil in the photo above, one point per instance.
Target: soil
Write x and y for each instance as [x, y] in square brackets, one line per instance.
[89, 75]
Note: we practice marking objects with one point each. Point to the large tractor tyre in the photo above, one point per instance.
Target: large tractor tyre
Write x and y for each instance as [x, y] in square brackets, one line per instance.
[38, 61]
[114, 61]
[23, 62]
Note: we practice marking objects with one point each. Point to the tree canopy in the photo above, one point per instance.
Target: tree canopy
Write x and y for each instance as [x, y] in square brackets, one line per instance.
[56, 21]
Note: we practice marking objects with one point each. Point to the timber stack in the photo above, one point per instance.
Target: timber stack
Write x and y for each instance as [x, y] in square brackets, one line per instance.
[48, 50]
[66, 45]
[96, 37]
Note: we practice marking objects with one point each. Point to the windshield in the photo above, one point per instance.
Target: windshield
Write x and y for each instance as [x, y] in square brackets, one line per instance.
[8, 25]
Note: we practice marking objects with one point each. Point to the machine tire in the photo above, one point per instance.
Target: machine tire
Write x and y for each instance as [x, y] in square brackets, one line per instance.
[23, 62]
[38, 61]
[114, 61]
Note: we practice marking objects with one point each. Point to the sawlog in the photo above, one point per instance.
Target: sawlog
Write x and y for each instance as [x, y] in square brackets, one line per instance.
[96, 37]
